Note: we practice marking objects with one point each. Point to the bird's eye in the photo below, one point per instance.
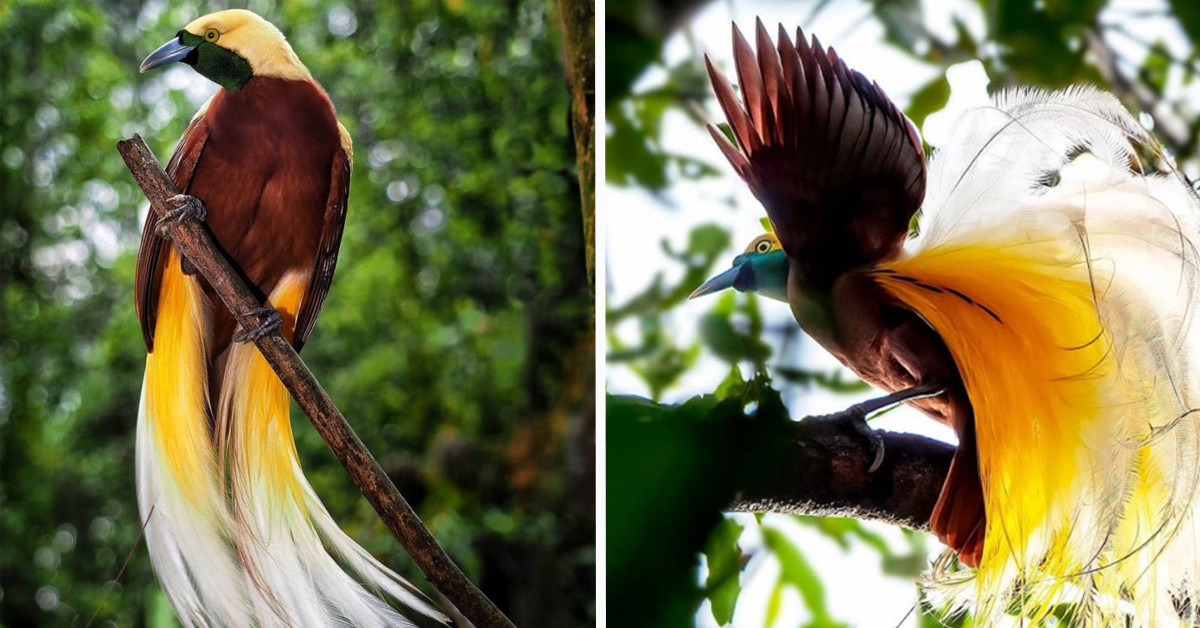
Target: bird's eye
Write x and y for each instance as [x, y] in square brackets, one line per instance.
[763, 247]
[211, 35]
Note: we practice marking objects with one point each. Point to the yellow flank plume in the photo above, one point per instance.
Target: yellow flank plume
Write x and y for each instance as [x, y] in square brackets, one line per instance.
[1021, 323]
[255, 414]
[176, 388]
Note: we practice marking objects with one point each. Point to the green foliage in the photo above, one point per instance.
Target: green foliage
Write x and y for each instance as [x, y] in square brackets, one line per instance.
[1188, 14]
[452, 338]
[635, 31]
[796, 572]
[722, 336]
[725, 561]
[665, 489]
[657, 359]
[930, 98]
[670, 471]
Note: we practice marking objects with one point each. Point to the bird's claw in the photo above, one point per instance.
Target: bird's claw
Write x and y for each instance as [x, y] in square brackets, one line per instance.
[186, 208]
[268, 319]
[857, 419]
[874, 440]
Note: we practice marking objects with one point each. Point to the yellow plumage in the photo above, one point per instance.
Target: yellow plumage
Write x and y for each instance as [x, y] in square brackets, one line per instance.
[1064, 282]
[1032, 356]
[176, 386]
[237, 532]
[254, 411]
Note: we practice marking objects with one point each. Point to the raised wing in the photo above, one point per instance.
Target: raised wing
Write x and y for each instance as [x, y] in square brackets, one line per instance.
[150, 258]
[838, 167]
[331, 240]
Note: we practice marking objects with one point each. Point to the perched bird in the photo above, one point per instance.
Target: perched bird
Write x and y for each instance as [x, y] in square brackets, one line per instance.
[236, 534]
[1044, 310]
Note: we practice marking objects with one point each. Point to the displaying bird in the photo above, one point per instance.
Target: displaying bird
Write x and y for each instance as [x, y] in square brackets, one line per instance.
[236, 534]
[1044, 311]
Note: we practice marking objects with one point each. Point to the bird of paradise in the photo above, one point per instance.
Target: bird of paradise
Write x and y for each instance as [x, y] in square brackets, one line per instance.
[1045, 310]
[237, 536]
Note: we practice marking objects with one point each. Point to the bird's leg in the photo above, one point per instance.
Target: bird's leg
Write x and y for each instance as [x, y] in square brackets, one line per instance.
[856, 415]
[268, 320]
[186, 208]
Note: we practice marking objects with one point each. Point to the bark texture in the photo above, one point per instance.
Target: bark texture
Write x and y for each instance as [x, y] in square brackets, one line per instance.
[818, 466]
[579, 49]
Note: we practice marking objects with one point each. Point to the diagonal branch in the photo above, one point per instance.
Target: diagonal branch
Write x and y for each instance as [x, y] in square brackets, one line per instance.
[193, 241]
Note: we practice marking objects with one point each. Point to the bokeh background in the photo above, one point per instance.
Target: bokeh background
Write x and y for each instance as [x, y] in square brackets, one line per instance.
[456, 338]
[677, 214]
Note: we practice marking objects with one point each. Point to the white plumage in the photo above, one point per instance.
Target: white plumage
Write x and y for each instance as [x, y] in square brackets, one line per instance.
[243, 540]
[1073, 169]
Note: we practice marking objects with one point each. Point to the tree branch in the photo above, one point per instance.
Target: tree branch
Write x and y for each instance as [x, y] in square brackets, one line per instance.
[579, 45]
[193, 241]
[818, 466]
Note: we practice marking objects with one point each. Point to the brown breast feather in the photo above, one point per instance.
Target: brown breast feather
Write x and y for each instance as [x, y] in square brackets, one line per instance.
[268, 163]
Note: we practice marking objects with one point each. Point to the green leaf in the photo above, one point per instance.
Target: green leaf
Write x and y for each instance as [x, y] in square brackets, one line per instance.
[775, 603]
[723, 584]
[732, 385]
[1156, 67]
[708, 240]
[629, 157]
[796, 571]
[932, 97]
[902, 23]
[724, 339]
[843, 529]
[705, 243]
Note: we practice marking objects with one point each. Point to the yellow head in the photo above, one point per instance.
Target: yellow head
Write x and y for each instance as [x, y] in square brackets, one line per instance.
[230, 47]
[763, 244]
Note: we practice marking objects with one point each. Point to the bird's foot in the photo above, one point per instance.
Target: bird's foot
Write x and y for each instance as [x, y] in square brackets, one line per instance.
[856, 415]
[186, 208]
[856, 418]
[268, 320]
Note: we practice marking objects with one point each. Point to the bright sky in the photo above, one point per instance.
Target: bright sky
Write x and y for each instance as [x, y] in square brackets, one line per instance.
[638, 221]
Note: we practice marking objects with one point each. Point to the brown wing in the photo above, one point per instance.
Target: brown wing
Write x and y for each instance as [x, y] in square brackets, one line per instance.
[838, 167]
[331, 240]
[150, 259]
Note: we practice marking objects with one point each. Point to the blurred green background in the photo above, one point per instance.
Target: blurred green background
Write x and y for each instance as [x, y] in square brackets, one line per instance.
[692, 383]
[456, 338]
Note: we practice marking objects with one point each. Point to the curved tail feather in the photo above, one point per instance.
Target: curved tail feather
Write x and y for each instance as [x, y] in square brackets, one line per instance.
[238, 537]
[178, 493]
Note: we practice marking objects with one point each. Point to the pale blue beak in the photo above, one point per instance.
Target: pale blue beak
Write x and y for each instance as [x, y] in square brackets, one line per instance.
[727, 279]
[168, 53]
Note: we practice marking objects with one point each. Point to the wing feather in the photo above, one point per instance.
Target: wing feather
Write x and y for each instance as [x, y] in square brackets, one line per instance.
[331, 241]
[838, 167]
[150, 260]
